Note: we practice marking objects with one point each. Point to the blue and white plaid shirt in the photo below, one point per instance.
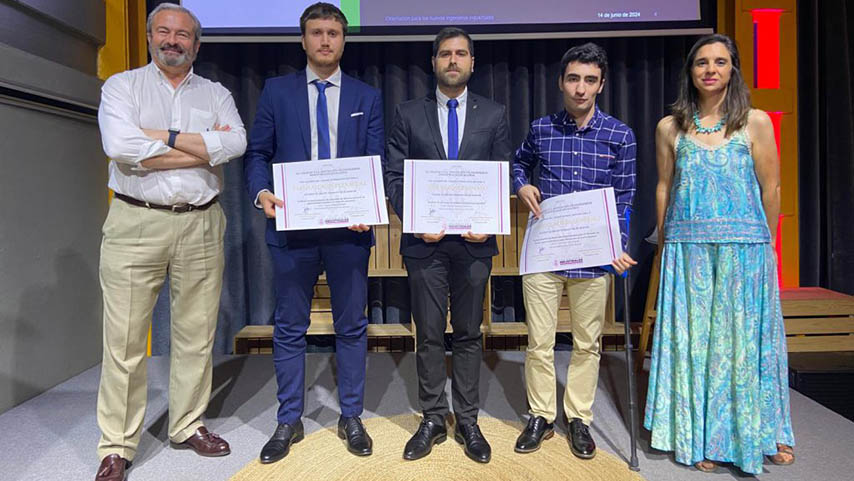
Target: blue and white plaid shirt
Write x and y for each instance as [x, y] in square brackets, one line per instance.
[602, 154]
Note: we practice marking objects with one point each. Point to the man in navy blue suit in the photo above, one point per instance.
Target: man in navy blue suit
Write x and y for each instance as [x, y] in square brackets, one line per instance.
[318, 113]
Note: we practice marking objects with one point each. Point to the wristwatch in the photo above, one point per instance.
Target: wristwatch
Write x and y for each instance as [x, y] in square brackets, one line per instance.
[173, 133]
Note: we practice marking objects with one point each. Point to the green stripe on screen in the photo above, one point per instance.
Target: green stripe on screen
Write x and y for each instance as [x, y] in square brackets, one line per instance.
[352, 11]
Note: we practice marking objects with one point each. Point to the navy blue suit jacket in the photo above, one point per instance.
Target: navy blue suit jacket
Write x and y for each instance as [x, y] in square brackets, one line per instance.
[282, 133]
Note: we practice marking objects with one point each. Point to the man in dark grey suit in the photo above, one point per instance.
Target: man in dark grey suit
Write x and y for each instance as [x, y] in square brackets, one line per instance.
[430, 128]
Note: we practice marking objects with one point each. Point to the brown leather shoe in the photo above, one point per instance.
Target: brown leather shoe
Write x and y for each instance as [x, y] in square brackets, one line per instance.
[205, 443]
[113, 468]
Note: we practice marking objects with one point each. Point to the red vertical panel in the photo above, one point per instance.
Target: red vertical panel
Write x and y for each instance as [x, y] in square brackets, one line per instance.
[778, 246]
[766, 28]
[766, 23]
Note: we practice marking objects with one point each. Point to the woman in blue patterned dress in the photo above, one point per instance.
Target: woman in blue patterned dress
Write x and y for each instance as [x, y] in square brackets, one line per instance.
[718, 390]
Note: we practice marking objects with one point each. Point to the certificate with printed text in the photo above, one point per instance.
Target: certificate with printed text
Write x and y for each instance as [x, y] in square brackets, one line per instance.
[324, 194]
[575, 231]
[457, 196]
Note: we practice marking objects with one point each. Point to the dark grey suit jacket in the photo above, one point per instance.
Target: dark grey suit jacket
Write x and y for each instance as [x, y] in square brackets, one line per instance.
[415, 135]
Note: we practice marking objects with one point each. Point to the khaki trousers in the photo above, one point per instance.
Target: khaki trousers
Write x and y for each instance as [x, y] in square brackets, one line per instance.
[587, 302]
[138, 248]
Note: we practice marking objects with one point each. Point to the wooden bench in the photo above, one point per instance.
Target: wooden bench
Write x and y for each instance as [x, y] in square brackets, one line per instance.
[386, 262]
[818, 320]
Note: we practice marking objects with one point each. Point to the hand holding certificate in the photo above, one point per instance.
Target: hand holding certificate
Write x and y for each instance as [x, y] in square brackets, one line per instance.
[325, 194]
[574, 231]
[456, 196]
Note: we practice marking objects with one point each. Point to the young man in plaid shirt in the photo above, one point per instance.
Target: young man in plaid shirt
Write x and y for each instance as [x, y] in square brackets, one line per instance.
[579, 148]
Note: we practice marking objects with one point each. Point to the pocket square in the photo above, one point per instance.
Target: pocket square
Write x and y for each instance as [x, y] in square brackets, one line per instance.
[356, 114]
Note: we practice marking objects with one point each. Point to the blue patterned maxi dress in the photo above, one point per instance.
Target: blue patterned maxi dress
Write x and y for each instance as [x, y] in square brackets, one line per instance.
[718, 385]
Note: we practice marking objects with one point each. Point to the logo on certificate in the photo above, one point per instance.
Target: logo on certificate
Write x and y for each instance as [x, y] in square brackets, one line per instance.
[570, 262]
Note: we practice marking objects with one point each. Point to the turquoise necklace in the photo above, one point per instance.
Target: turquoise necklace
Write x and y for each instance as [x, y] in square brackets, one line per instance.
[708, 130]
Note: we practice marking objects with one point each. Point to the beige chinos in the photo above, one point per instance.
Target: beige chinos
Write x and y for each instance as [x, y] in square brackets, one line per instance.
[587, 302]
[139, 247]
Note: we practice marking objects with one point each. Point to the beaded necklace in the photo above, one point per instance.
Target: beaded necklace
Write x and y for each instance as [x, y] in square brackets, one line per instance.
[708, 130]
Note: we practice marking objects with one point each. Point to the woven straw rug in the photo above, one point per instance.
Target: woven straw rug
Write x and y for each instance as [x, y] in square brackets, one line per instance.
[323, 456]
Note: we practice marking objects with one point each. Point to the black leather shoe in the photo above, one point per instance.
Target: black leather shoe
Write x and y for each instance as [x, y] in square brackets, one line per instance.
[580, 442]
[358, 441]
[476, 446]
[280, 443]
[421, 443]
[535, 432]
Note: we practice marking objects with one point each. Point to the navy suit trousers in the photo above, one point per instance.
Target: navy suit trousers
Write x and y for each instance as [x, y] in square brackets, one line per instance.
[296, 269]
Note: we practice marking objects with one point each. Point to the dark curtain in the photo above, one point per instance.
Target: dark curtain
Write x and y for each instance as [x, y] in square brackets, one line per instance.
[826, 140]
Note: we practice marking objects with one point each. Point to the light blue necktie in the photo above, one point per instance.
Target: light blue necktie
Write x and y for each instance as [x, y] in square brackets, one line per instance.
[322, 121]
[453, 129]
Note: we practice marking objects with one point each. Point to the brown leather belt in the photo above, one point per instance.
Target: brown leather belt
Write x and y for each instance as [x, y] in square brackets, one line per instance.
[179, 208]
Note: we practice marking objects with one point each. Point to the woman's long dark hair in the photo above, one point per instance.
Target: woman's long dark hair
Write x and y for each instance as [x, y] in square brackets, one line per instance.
[736, 105]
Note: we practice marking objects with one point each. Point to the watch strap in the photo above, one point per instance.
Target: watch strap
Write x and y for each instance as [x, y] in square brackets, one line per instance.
[173, 134]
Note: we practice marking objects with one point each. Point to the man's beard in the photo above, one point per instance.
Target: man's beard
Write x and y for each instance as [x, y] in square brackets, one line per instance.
[462, 79]
[173, 61]
[323, 62]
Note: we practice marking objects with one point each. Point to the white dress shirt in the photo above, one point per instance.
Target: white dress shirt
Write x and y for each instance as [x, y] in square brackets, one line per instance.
[442, 105]
[143, 98]
[333, 96]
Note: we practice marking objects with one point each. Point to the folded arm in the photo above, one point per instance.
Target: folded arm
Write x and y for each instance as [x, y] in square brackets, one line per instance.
[127, 142]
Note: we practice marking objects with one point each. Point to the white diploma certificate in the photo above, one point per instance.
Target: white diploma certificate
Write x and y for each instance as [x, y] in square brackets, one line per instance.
[457, 196]
[324, 194]
[574, 231]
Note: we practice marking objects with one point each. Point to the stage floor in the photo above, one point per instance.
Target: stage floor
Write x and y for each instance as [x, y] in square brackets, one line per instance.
[54, 435]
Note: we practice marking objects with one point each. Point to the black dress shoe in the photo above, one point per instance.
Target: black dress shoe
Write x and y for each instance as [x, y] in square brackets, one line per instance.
[535, 432]
[280, 443]
[421, 443]
[358, 441]
[580, 442]
[476, 446]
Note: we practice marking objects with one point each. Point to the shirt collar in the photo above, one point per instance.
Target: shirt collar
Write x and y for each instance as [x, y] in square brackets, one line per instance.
[334, 79]
[566, 119]
[442, 99]
[163, 77]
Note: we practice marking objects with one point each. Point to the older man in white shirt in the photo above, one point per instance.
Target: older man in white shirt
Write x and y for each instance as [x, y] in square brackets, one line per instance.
[167, 132]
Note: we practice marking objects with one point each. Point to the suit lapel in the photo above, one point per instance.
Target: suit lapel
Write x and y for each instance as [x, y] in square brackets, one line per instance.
[302, 112]
[471, 123]
[433, 122]
[346, 106]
